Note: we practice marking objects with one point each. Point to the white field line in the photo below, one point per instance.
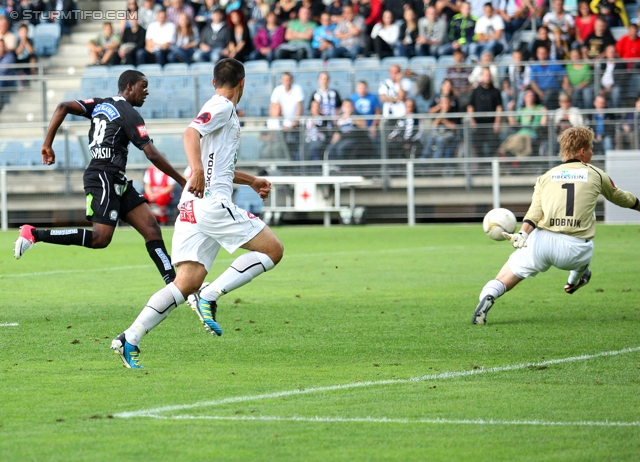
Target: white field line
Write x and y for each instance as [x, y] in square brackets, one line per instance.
[303, 391]
[9, 324]
[230, 259]
[541, 423]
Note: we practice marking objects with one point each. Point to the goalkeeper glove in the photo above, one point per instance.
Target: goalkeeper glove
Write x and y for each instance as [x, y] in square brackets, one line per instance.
[518, 240]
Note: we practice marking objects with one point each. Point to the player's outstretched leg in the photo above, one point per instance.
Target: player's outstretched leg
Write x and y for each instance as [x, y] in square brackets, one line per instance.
[583, 281]
[490, 292]
[128, 353]
[25, 241]
[206, 311]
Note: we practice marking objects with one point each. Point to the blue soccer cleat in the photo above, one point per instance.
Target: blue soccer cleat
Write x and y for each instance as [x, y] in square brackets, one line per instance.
[206, 311]
[128, 353]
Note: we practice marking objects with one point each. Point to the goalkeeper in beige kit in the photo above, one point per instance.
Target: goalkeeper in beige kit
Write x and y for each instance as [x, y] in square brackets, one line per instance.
[560, 224]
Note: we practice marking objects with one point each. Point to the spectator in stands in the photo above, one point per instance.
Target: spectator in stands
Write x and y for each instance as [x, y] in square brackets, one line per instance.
[613, 12]
[286, 10]
[267, 39]
[596, 43]
[104, 47]
[298, 35]
[514, 14]
[626, 135]
[485, 98]
[442, 136]
[542, 40]
[29, 11]
[148, 13]
[62, 15]
[393, 92]
[528, 121]
[432, 32]
[584, 21]
[240, 46]
[324, 40]
[365, 103]
[445, 9]
[614, 76]
[461, 31]
[546, 79]
[446, 90]
[408, 35]
[257, 15]
[328, 98]
[25, 53]
[9, 37]
[459, 75]
[158, 40]
[334, 8]
[385, 36]
[566, 116]
[130, 12]
[350, 138]
[350, 32]
[560, 48]
[578, 81]
[287, 100]
[518, 77]
[486, 60]
[5, 58]
[213, 39]
[203, 16]
[177, 8]
[628, 47]
[371, 11]
[558, 17]
[489, 31]
[315, 133]
[158, 190]
[603, 127]
[185, 42]
[405, 140]
[132, 40]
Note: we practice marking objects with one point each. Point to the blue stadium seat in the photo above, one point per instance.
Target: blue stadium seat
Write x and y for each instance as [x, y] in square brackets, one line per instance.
[389, 61]
[317, 64]
[366, 63]
[46, 37]
[150, 68]
[177, 81]
[181, 104]
[446, 59]
[341, 82]
[250, 146]
[11, 152]
[422, 63]
[284, 65]
[117, 69]
[259, 65]
[95, 71]
[206, 68]
[153, 108]
[176, 68]
[439, 75]
[339, 63]
[373, 77]
[257, 105]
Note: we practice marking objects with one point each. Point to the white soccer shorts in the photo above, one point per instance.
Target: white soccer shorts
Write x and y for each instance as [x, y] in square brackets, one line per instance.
[546, 249]
[204, 226]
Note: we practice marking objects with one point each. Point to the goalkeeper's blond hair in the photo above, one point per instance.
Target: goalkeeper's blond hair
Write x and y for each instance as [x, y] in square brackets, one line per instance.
[572, 140]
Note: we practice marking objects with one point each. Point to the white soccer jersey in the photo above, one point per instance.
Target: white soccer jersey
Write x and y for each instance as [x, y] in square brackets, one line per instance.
[219, 126]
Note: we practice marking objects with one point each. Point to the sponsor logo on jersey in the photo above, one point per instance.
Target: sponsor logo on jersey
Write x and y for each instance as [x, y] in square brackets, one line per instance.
[107, 110]
[87, 101]
[113, 215]
[142, 131]
[186, 212]
[577, 175]
[209, 171]
[101, 153]
[612, 183]
[251, 215]
[203, 118]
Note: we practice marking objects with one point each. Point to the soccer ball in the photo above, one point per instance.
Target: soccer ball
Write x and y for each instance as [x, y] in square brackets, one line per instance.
[498, 221]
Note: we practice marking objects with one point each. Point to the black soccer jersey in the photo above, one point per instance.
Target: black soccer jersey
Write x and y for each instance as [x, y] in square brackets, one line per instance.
[114, 123]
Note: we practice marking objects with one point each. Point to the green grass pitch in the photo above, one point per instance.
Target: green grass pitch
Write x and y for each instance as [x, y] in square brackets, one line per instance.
[358, 346]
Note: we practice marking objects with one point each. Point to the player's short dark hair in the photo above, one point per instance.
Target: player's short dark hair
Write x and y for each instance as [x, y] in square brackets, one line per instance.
[129, 77]
[228, 72]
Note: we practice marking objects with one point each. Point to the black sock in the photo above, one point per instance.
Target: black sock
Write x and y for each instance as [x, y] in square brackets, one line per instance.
[81, 237]
[160, 256]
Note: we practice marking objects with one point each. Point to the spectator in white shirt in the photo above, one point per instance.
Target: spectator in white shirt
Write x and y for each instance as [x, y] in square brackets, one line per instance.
[393, 92]
[560, 18]
[489, 29]
[158, 40]
[385, 35]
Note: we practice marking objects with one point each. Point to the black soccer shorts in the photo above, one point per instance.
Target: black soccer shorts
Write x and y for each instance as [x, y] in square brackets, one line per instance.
[109, 197]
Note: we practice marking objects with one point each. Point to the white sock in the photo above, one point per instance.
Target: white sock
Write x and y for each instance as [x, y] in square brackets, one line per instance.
[575, 275]
[246, 267]
[494, 288]
[158, 307]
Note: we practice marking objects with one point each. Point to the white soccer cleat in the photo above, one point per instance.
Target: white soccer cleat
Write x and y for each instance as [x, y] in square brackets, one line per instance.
[25, 241]
[480, 314]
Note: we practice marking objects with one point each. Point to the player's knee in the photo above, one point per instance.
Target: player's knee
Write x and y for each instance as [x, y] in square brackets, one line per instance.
[276, 251]
[100, 241]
